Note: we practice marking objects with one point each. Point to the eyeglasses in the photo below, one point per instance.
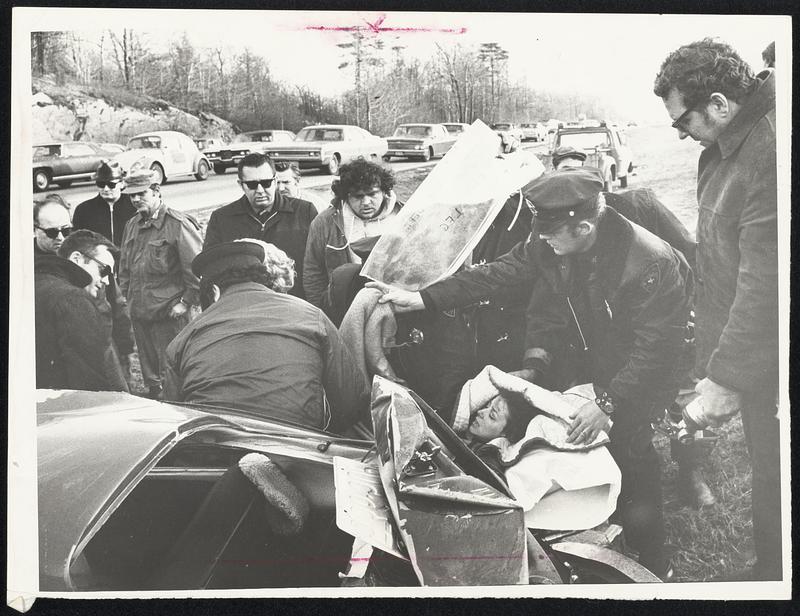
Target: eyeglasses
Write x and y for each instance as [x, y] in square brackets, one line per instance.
[105, 269]
[253, 184]
[680, 123]
[53, 232]
[111, 184]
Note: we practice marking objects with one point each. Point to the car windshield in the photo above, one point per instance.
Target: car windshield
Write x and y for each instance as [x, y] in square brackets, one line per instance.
[501, 126]
[454, 128]
[413, 131]
[261, 137]
[146, 143]
[584, 141]
[46, 150]
[320, 134]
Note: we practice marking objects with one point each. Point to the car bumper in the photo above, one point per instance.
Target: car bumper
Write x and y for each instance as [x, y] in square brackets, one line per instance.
[304, 161]
[405, 152]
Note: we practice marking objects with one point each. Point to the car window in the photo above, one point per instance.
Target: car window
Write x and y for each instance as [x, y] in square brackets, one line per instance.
[148, 142]
[46, 150]
[584, 141]
[454, 129]
[622, 138]
[77, 149]
[501, 126]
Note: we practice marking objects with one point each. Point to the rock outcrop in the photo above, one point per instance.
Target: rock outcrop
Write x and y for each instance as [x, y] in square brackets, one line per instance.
[86, 113]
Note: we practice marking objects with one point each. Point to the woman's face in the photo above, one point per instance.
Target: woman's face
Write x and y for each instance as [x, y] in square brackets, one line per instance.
[490, 422]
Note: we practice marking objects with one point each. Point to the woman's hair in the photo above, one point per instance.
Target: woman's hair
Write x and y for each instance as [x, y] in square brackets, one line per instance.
[520, 413]
[361, 174]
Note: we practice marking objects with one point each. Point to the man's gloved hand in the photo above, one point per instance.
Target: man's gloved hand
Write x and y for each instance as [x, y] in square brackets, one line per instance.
[719, 403]
[401, 300]
[587, 423]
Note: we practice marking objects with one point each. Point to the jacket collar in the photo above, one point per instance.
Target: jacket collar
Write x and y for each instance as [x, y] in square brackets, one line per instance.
[156, 222]
[62, 268]
[281, 204]
[757, 105]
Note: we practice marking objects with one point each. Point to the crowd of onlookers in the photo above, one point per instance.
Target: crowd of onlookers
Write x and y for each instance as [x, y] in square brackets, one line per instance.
[266, 311]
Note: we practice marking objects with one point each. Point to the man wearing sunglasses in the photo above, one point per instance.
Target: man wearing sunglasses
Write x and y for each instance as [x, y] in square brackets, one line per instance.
[263, 213]
[714, 97]
[155, 274]
[51, 224]
[74, 347]
[109, 211]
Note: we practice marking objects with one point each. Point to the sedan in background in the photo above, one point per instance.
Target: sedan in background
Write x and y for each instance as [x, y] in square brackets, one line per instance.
[534, 131]
[327, 146]
[64, 163]
[507, 130]
[167, 153]
[423, 141]
[455, 128]
[208, 143]
[223, 157]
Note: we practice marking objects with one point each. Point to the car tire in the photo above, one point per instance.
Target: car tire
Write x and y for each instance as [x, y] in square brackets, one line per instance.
[623, 181]
[202, 171]
[64, 183]
[219, 168]
[333, 165]
[41, 180]
[158, 170]
[427, 155]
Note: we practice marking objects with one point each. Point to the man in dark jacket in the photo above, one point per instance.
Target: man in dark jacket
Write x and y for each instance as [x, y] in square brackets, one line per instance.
[609, 306]
[713, 97]
[73, 341]
[260, 350]
[109, 211]
[263, 213]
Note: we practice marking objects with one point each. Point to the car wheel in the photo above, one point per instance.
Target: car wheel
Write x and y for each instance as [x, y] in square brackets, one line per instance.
[41, 180]
[202, 171]
[623, 181]
[64, 183]
[219, 168]
[158, 170]
[427, 155]
[333, 165]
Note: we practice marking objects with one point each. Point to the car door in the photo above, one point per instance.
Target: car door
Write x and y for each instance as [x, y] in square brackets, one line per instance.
[445, 139]
[77, 158]
[176, 155]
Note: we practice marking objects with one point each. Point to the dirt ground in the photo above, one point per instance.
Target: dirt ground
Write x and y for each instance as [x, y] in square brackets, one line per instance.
[717, 539]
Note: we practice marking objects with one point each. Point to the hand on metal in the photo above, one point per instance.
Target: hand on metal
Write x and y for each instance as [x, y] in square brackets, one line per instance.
[401, 300]
[718, 402]
[587, 423]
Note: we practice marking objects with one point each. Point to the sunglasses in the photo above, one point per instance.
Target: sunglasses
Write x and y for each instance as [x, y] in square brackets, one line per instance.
[680, 122]
[105, 269]
[112, 185]
[253, 184]
[53, 232]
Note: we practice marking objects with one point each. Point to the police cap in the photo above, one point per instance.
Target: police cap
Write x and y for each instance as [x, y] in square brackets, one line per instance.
[221, 257]
[558, 197]
[567, 151]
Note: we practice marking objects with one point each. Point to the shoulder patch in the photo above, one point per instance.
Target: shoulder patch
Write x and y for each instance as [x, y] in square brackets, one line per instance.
[651, 278]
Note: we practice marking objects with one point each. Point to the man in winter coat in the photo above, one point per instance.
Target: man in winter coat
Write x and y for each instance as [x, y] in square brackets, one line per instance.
[265, 214]
[73, 340]
[713, 97]
[109, 211]
[155, 274]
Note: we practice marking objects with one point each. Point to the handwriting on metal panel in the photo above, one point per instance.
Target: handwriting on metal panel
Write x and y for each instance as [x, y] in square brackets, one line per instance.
[377, 27]
[413, 220]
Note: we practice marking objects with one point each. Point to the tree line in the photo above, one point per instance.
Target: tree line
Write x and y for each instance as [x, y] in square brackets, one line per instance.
[387, 87]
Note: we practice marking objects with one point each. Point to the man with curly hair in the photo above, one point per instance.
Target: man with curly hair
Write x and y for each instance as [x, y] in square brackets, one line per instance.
[258, 349]
[344, 233]
[712, 96]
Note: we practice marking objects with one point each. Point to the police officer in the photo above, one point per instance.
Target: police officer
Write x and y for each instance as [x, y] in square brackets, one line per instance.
[609, 306]
[155, 274]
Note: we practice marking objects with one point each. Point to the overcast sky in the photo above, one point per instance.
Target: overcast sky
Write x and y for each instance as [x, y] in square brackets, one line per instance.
[614, 57]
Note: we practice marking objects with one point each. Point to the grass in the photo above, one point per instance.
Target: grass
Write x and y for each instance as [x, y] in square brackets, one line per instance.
[715, 540]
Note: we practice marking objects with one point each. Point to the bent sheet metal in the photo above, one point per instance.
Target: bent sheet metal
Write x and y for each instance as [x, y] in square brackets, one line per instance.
[457, 529]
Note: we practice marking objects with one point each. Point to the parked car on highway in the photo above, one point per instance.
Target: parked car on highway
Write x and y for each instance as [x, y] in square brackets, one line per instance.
[327, 146]
[534, 131]
[423, 141]
[205, 143]
[507, 129]
[169, 154]
[65, 162]
[455, 128]
[606, 148]
[113, 147]
[223, 157]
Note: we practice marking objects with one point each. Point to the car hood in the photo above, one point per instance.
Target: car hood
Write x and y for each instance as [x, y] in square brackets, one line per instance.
[304, 145]
[95, 447]
[244, 145]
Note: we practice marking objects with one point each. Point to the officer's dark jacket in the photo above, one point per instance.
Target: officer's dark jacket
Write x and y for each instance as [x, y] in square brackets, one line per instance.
[73, 342]
[287, 228]
[623, 325]
[95, 215]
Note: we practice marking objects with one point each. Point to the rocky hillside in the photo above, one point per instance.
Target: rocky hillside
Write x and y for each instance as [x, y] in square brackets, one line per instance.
[109, 115]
